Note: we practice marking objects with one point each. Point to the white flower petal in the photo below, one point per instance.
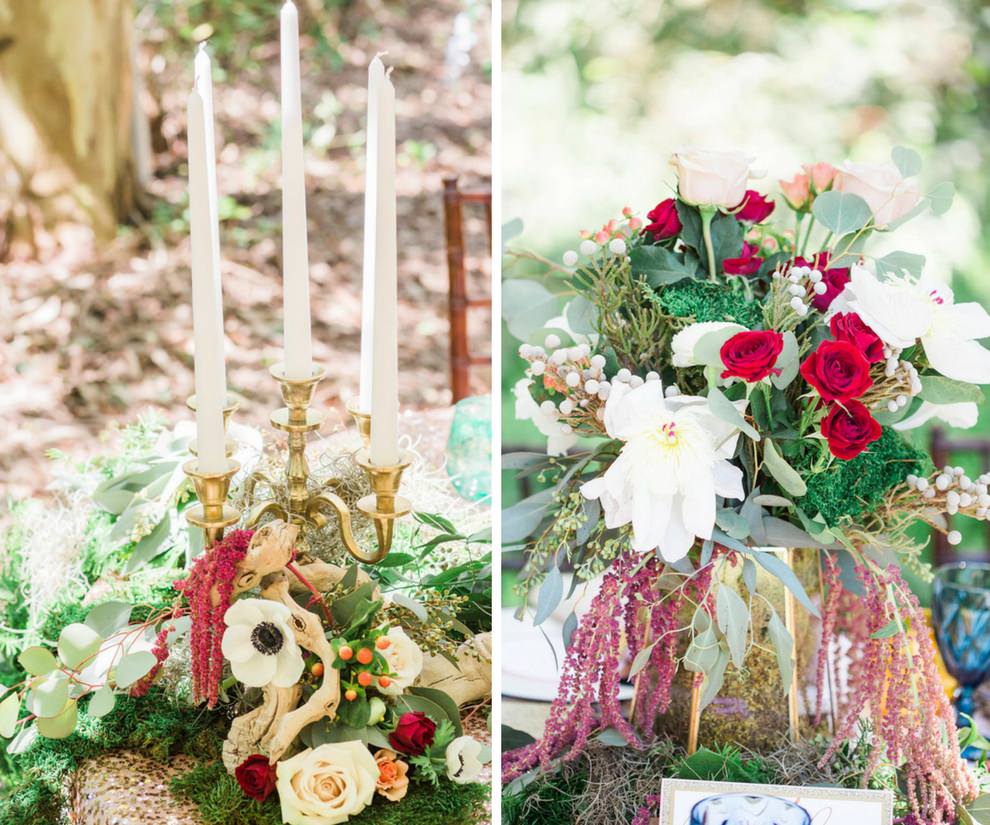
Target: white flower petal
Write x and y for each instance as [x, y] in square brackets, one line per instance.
[683, 343]
[728, 480]
[678, 540]
[896, 310]
[698, 509]
[236, 643]
[962, 414]
[245, 611]
[958, 358]
[275, 612]
[289, 665]
[970, 320]
[257, 671]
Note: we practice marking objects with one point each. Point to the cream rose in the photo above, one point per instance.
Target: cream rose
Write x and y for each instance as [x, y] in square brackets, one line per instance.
[463, 760]
[712, 178]
[405, 660]
[881, 185]
[327, 785]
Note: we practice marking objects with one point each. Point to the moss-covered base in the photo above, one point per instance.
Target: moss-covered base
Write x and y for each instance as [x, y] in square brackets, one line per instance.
[220, 801]
[849, 488]
[709, 301]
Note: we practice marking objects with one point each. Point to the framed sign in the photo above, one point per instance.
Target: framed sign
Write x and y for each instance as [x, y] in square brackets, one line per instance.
[687, 802]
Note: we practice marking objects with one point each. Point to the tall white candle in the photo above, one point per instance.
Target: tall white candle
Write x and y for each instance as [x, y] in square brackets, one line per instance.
[204, 85]
[376, 78]
[295, 255]
[211, 382]
[384, 368]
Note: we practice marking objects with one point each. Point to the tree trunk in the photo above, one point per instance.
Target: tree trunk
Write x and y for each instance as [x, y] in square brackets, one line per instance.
[67, 108]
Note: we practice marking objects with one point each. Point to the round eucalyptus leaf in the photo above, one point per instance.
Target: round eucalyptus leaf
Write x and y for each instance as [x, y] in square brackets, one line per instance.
[134, 666]
[48, 696]
[37, 660]
[8, 715]
[78, 644]
[62, 725]
[101, 703]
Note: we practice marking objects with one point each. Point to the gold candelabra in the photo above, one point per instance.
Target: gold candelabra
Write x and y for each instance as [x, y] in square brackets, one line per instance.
[308, 507]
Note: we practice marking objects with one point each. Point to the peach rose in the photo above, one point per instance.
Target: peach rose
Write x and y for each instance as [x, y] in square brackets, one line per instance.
[712, 178]
[821, 174]
[889, 195]
[797, 190]
[393, 781]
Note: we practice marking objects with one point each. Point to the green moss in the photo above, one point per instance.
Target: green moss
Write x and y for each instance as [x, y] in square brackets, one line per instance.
[220, 800]
[153, 726]
[708, 301]
[848, 488]
[549, 800]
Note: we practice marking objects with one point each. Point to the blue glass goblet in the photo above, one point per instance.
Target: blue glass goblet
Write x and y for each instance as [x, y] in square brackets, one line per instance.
[748, 809]
[961, 616]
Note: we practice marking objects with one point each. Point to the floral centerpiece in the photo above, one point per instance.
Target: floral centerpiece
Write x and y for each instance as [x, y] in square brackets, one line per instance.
[715, 386]
[308, 690]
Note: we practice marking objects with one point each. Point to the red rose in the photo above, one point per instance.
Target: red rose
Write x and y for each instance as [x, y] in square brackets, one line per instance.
[751, 355]
[838, 370]
[748, 263]
[664, 222]
[256, 777]
[849, 431]
[756, 208]
[835, 280]
[848, 326]
[414, 733]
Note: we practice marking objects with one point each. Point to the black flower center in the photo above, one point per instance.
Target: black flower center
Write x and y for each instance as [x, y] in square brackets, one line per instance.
[267, 638]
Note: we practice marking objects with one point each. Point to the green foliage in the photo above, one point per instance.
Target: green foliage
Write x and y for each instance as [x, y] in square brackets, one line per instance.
[723, 764]
[548, 801]
[709, 301]
[220, 801]
[849, 488]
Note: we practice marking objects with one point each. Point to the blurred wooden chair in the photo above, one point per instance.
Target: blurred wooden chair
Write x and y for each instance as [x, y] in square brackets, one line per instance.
[460, 303]
[943, 448]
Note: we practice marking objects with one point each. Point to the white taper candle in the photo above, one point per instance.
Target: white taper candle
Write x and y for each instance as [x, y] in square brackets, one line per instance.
[211, 382]
[295, 255]
[385, 370]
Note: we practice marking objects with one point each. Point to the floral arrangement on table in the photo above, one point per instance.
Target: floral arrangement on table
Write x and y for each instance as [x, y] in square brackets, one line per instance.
[717, 385]
[335, 689]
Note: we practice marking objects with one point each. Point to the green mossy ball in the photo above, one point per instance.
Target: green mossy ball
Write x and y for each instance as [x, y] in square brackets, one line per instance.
[708, 301]
[848, 488]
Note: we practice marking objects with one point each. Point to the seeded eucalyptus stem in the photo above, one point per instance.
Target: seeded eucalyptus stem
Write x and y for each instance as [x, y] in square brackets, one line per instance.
[707, 213]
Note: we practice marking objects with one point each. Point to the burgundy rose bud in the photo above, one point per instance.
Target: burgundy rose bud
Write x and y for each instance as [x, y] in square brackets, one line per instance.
[748, 263]
[751, 355]
[756, 208]
[664, 222]
[848, 326]
[414, 733]
[838, 370]
[256, 777]
[850, 430]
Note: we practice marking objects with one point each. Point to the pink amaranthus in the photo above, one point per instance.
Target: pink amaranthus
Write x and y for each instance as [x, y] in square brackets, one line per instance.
[208, 589]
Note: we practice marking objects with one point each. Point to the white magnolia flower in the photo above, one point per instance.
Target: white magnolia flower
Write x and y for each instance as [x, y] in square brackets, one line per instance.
[405, 660]
[682, 345]
[548, 422]
[260, 644]
[463, 760]
[674, 462]
[326, 785]
[902, 311]
[962, 414]
[712, 178]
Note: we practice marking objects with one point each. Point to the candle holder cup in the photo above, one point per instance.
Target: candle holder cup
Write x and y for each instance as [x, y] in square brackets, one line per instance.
[231, 405]
[213, 514]
[310, 507]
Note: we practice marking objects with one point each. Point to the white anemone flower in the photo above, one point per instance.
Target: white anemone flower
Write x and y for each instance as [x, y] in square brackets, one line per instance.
[902, 311]
[260, 644]
[559, 437]
[962, 414]
[675, 461]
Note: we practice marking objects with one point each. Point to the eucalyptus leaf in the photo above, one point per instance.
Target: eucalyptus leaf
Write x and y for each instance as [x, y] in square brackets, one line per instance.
[581, 315]
[937, 389]
[48, 695]
[526, 306]
[787, 362]
[703, 652]
[37, 660]
[841, 212]
[641, 660]
[549, 596]
[78, 644]
[723, 408]
[152, 545]
[779, 568]
[101, 703]
[567, 632]
[768, 500]
[9, 709]
[107, 618]
[612, 738]
[61, 726]
[512, 229]
[899, 262]
[732, 522]
[708, 348]
[521, 519]
[940, 198]
[976, 812]
[733, 618]
[749, 575]
[591, 509]
[410, 604]
[714, 678]
[888, 630]
[785, 475]
[659, 266]
[907, 161]
[133, 667]
[441, 700]
[783, 645]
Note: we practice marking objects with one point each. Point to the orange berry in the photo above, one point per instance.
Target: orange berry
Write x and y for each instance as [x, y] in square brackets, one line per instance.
[364, 655]
[350, 695]
[364, 678]
[383, 643]
[384, 681]
[345, 653]
[317, 669]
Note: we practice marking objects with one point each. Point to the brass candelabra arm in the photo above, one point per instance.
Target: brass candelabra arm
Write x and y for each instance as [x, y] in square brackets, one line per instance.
[383, 506]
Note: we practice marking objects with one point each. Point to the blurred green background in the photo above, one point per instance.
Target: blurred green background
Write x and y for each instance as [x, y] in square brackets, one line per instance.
[597, 95]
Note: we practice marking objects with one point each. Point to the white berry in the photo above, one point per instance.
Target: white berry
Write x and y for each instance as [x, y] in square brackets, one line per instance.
[570, 257]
